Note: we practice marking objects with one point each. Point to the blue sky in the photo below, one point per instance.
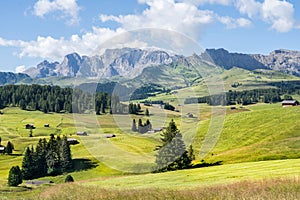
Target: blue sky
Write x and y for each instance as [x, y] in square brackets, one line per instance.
[34, 30]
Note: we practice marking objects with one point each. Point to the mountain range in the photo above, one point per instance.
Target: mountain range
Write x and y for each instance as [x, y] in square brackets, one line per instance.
[128, 62]
[131, 63]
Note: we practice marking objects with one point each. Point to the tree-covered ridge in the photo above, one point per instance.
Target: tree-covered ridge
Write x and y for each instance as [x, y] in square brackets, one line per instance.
[251, 96]
[56, 99]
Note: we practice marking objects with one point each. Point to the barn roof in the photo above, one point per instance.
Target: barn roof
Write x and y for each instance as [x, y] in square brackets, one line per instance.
[289, 101]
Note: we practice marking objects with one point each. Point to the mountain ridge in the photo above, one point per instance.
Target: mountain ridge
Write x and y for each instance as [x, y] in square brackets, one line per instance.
[130, 62]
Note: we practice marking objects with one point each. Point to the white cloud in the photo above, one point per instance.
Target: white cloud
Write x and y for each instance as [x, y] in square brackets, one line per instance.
[280, 14]
[249, 7]
[203, 2]
[55, 49]
[167, 14]
[20, 69]
[68, 8]
[232, 23]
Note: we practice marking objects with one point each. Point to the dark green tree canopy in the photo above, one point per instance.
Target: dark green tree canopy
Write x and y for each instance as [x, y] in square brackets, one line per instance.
[172, 154]
[15, 176]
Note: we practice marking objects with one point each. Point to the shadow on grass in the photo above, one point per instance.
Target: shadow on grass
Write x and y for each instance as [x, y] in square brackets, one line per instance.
[83, 164]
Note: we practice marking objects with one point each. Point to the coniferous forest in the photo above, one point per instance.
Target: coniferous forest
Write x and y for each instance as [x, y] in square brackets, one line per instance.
[56, 99]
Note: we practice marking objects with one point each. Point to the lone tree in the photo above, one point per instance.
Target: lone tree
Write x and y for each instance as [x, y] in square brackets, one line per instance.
[69, 179]
[133, 128]
[172, 154]
[15, 176]
[9, 148]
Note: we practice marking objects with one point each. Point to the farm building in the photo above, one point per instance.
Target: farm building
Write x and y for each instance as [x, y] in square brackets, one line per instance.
[110, 135]
[82, 133]
[46, 125]
[72, 141]
[290, 103]
[2, 149]
[190, 115]
[29, 126]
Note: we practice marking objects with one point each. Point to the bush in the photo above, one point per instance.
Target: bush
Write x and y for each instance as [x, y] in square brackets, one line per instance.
[69, 179]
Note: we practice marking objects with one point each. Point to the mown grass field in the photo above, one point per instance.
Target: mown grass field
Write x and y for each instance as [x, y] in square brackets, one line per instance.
[267, 133]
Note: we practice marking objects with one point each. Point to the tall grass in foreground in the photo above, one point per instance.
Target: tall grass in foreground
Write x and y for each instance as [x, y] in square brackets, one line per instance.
[265, 189]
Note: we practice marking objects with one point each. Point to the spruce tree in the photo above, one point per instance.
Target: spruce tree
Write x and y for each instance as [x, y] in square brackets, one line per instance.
[9, 148]
[172, 154]
[191, 153]
[147, 112]
[15, 176]
[66, 158]
[40, 158]
[140, 126]
[28, 165]
[133, 128]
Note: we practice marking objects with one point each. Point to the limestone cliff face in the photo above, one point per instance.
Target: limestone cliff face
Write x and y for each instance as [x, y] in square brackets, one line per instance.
[286, 61]
[129, 62]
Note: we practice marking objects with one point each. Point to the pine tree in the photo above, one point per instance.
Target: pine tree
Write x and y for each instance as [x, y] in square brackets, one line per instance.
[28, 165]
[191, 153]
[140, 126]
[147, 112]
[133, 128]
[9, 148]
[15, 176]
[66, 158]
[40, 159]
[172, 154]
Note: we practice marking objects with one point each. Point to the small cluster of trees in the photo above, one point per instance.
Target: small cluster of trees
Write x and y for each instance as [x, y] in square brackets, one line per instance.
[134, 108]
[141, 128]
[172, 154]
[49, 158]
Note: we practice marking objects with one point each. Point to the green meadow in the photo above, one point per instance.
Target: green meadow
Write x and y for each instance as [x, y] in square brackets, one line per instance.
[257, 143]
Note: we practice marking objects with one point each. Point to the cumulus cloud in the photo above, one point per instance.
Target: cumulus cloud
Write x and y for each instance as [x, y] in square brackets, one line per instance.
[202, 2]
[68, 8]
[232, 23]
[20, 69]
[280, 14]
[183, 16]
[51, 48]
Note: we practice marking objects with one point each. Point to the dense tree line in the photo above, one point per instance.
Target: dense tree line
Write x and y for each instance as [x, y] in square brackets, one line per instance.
[55, 99]
[148, 90]
[252, 96]
[48, 158]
